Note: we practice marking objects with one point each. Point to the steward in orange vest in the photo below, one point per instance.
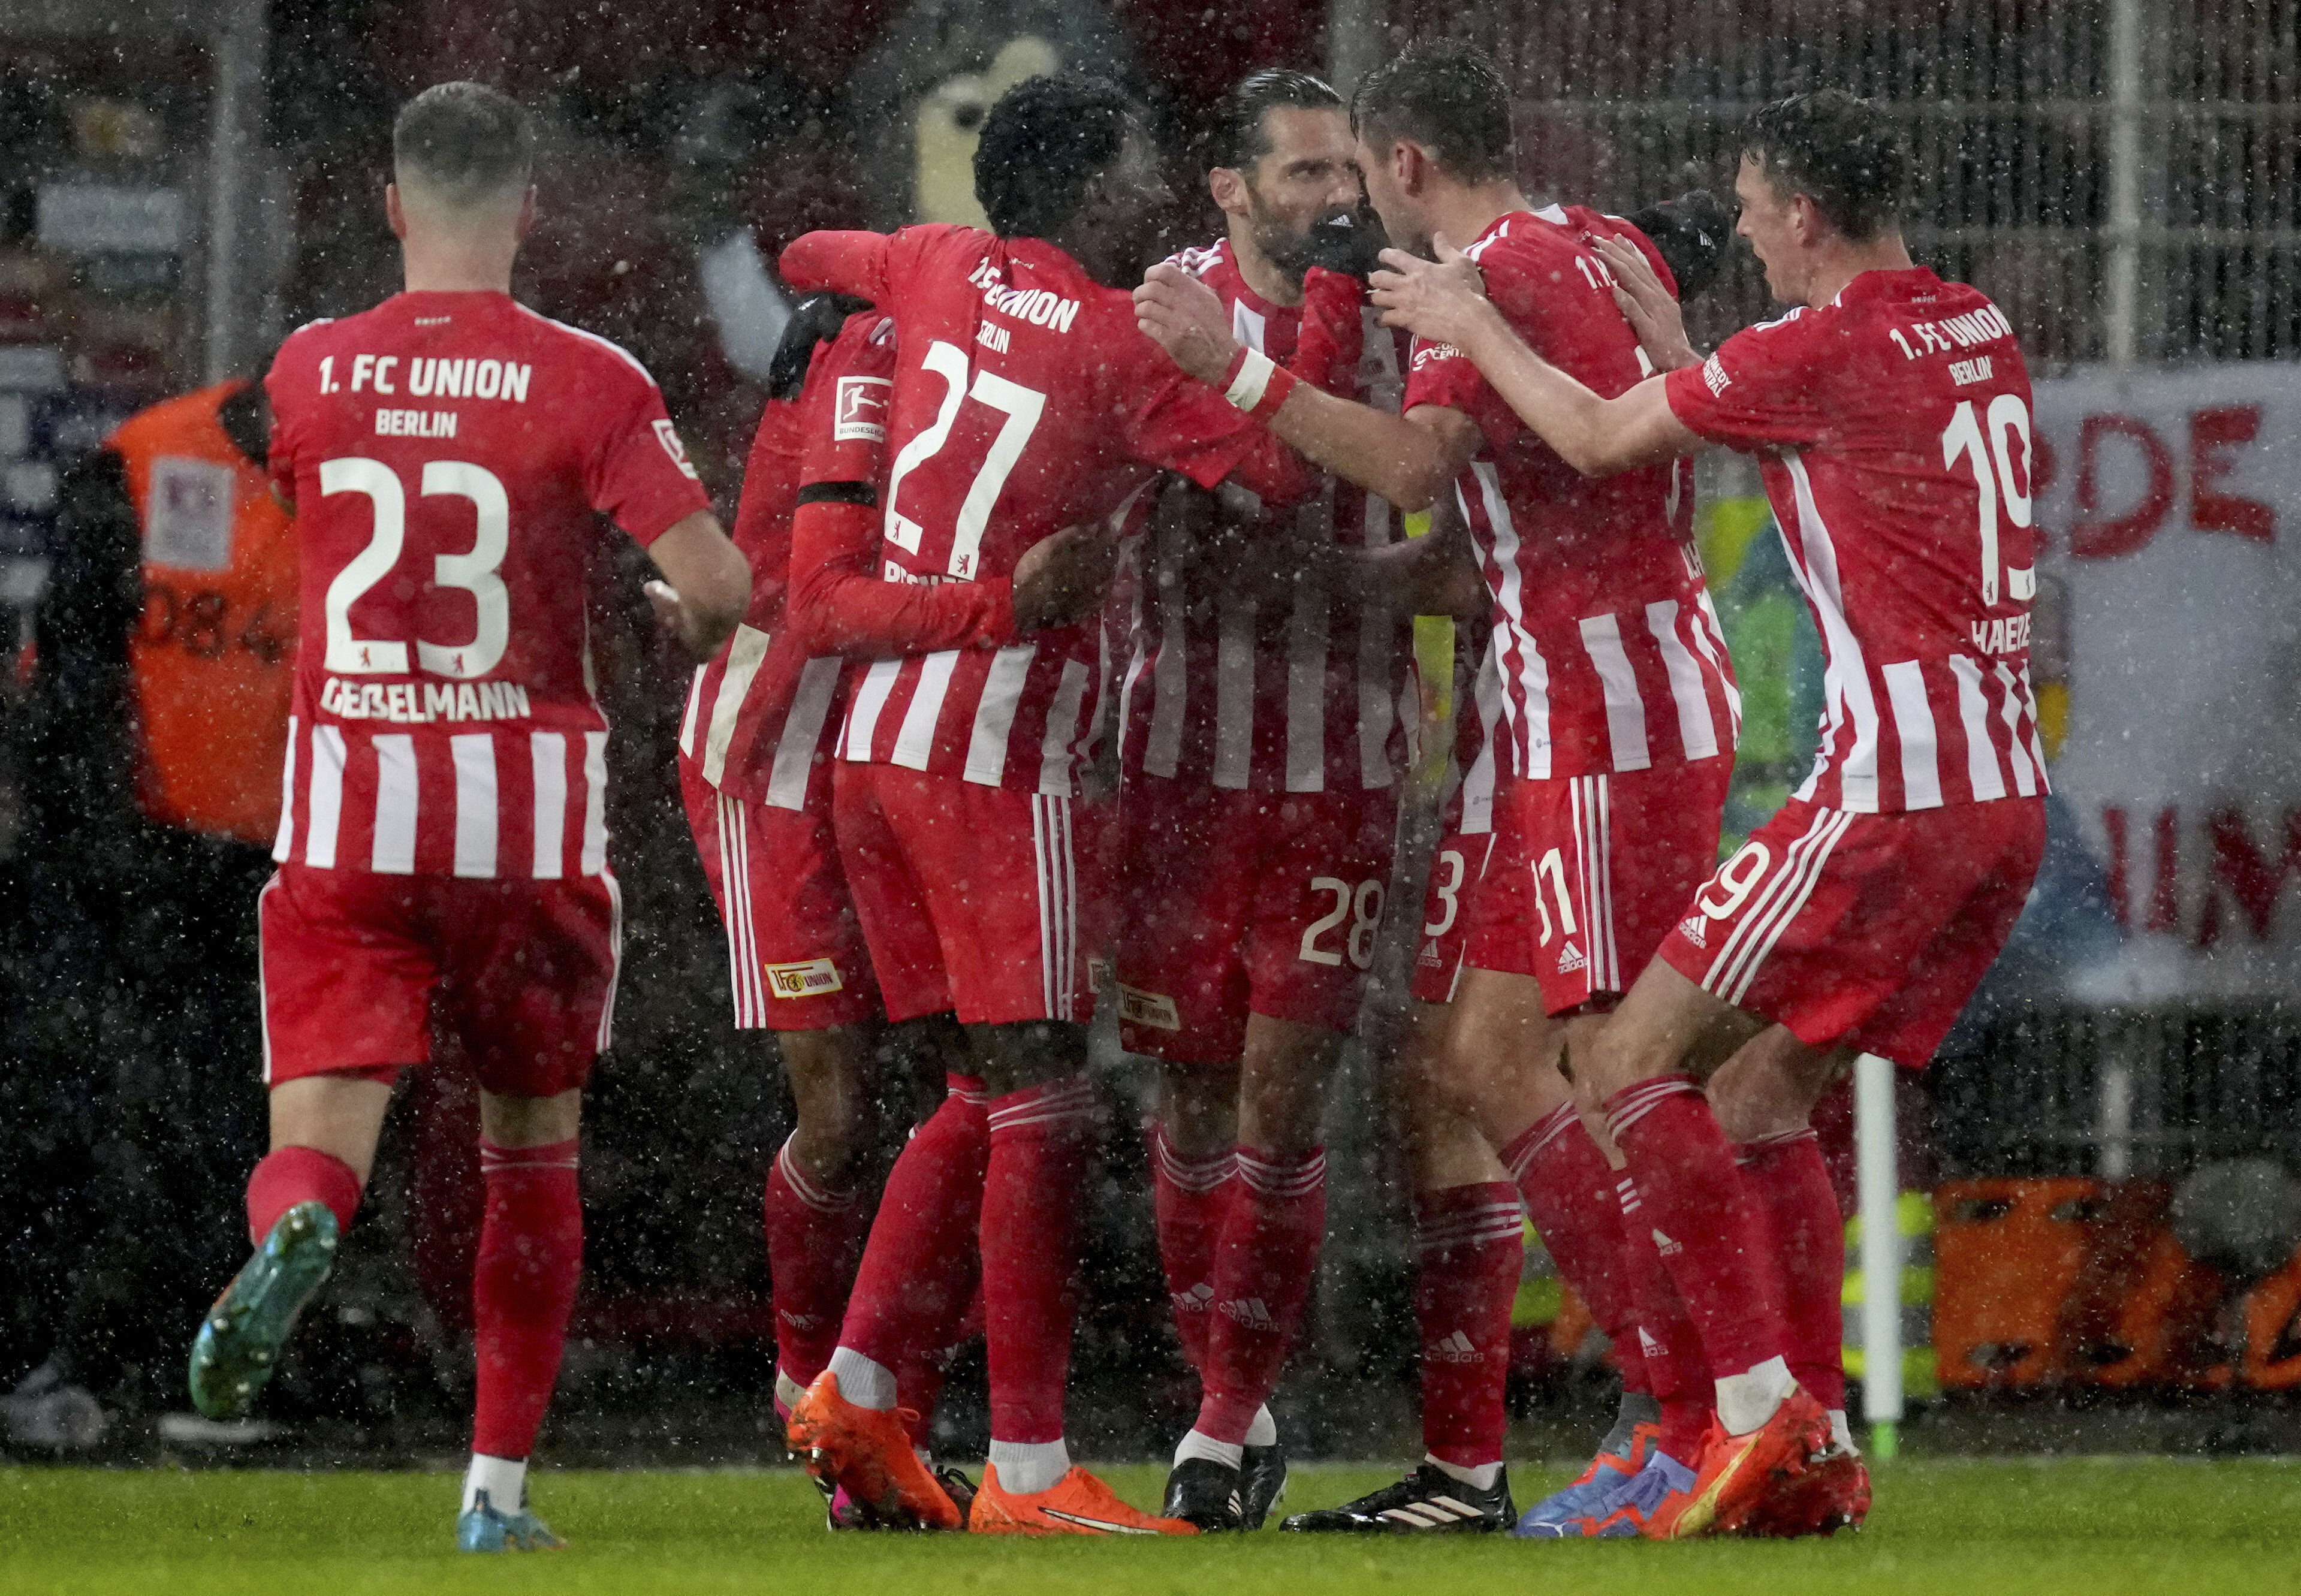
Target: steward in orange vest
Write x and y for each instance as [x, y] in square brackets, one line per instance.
[211, 662]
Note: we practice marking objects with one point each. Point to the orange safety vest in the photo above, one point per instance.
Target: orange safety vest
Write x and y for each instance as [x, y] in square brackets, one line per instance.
[214, 657]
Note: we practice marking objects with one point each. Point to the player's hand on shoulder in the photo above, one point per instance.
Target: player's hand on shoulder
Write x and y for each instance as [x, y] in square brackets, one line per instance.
[1186, 319]
[1651, 308]
[1443, 301]
[1062, 578]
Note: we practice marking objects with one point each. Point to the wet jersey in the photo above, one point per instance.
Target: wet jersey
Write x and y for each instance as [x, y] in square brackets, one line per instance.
[446, 455]
[1025, 400]
[760, 717]
[1892, 426]
[1285, 691]
[1610, 654]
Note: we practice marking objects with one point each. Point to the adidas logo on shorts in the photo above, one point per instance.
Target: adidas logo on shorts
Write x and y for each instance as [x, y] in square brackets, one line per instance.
[1570, 959]
[1430, 954]
[1456, 1348]
[1665, 1246]
[1695, 929]
[1250, 1311]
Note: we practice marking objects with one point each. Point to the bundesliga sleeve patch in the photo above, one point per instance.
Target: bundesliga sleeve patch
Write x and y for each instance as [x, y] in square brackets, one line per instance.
[862, 411]
[811, 978]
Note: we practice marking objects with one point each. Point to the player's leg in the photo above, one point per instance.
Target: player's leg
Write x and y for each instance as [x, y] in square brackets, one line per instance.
[1764, 1097]
[1193, 1164]
[1182, 997]
[529, 976]
[347, 980]
[797, 965]
[523, 1280]
[1264, 1263]
[814, 1217]
[1468, 1230]
[918, 1263]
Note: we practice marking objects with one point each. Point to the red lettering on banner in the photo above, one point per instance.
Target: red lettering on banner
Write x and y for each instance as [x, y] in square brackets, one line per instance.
[2253, 880]
[2101, 539]
[2121, 897]
[2211, 434]
[2165, 890]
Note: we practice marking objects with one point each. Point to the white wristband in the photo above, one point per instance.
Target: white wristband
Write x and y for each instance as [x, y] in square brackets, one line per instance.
[1254, 380]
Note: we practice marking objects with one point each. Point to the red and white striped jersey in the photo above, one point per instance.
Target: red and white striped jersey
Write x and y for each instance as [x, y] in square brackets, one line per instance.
[762, 716]
[1270, 686]
[1478, 762]
[1892, 426]
[446, 453]
[1610, 656]
[1025, 400]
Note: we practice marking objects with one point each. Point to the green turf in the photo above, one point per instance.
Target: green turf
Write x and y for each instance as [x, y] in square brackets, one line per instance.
[2084, 1528]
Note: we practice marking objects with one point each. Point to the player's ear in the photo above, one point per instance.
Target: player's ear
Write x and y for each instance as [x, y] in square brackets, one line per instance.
[393, 212]
[1228, 189]
[526, 221]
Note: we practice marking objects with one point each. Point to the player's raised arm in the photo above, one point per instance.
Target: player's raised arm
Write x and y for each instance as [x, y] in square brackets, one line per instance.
[1439, 301]
[706, 582]
[846, 262]
[1407, 460]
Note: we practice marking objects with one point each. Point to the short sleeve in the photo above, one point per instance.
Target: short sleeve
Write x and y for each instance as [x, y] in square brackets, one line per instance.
[642, 478]
[1758, 390]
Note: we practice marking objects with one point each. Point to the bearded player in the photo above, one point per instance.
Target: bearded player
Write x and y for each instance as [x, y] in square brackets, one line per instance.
[1618, 706]
[1025, 400]
[1261, 752]
[443, 834]
[1889, 411]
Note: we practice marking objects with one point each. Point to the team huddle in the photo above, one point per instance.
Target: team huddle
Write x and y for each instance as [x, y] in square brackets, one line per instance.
[1019, 516]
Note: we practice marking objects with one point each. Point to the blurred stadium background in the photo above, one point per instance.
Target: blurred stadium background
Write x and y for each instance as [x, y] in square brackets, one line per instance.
[2101, 1207]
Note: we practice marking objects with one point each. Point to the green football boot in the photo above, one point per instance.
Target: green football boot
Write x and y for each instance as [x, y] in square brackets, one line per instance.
[240, 1340]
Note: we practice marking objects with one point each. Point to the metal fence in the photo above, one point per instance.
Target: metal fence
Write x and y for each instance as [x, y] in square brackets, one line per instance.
[2120, 176]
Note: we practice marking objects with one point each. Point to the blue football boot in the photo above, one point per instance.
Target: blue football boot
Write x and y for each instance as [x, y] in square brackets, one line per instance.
[1596, 1491]
[485, 1527]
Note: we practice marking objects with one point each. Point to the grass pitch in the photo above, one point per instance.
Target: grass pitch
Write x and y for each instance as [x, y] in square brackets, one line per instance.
[2074, 1528]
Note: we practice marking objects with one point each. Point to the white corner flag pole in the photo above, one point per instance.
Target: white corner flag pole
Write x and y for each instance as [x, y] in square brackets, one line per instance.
[1877, 1162]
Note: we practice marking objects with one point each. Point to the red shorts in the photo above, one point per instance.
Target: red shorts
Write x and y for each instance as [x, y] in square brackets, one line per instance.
[970, 897]
[523, 971]
[1870, 929]
[1457, 866]
[1239, 902]
[795, 954]
[1589, 873]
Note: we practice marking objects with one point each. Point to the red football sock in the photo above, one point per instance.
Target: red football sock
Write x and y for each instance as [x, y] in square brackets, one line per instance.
[1189, 1198]
[1709, 1234]
[918, 1268]
[1677, 1374]
[288, 1176]
[1569, 1195]
[815, 1239]
[1264, 1265]
[522, 1289]
[1791, 1185]
[1471, 1242]
[1042, 1141]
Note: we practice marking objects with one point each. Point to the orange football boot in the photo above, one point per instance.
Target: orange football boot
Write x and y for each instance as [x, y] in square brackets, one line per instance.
[1077, 1504]
[1741, 1476]
[1831, 1495]
[867, 1452]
